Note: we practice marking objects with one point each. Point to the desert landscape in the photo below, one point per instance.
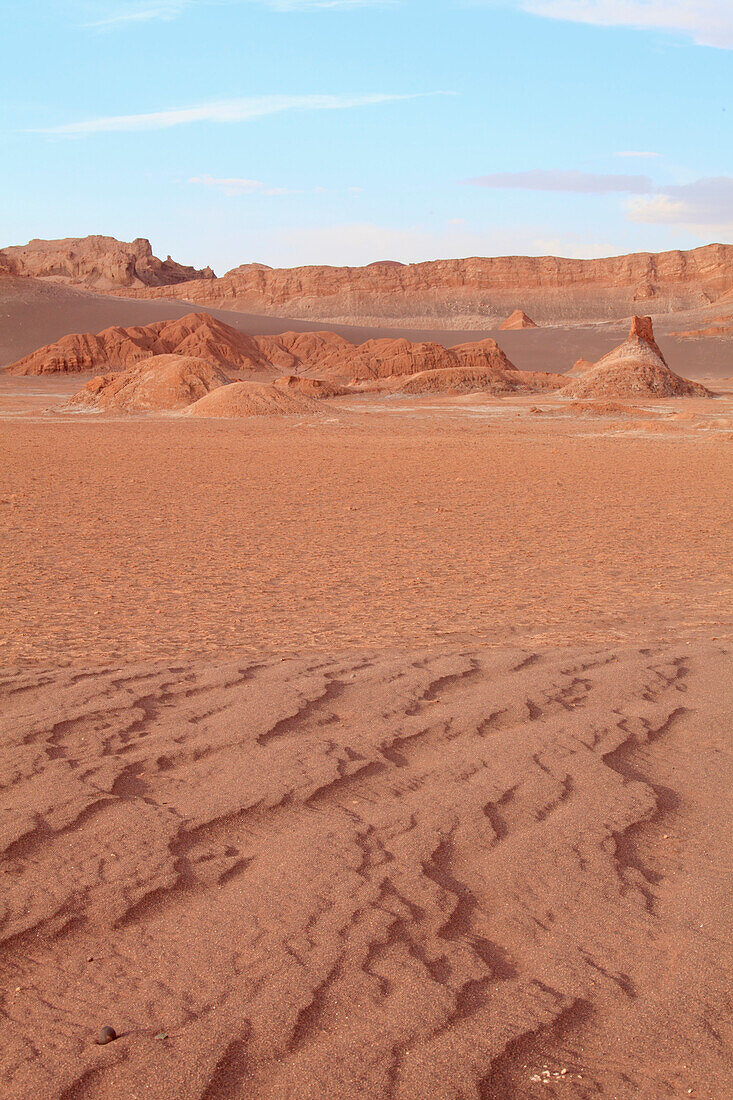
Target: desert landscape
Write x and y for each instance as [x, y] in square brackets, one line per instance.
[366, 682]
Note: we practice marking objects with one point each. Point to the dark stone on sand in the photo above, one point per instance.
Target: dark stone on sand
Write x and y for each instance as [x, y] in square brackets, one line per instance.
[106, 1035]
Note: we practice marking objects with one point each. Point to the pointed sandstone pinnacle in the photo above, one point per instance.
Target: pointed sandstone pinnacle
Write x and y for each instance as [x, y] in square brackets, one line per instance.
[636, 368]
[517, 319]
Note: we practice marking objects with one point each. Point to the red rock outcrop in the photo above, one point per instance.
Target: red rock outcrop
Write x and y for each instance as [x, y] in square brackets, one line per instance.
[329, 359]
[471, 293]
[635, 368]
[387, 358]
[102, 263]
[205, 337]
[243, 399]
[517, 319]
[160, 383]
[196, 334]
[471, 380]
[318, 388]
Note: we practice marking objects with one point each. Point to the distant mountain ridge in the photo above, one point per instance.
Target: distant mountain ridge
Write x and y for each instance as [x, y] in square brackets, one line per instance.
[466, 293]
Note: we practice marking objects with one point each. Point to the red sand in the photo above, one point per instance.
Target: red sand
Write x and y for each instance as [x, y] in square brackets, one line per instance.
[377, 755]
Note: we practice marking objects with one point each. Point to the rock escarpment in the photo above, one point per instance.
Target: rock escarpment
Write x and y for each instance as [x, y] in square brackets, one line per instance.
[471, 293]
[100, 263]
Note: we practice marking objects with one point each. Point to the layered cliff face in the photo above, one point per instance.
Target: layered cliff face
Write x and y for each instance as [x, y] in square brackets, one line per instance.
[472, 293]
[100, 263]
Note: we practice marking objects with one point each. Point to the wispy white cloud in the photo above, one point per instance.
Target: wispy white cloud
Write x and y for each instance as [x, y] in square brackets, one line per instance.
[590, 183]
[226, 111]
[699, 205]
[108, 15]
[120, 15]
[233, 186]
[633, 153]
[702, 203]
[706, 22]
[356, 243]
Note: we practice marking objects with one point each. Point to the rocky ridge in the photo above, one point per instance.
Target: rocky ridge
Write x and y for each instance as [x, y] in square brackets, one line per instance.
[471, 293]
[100, 263]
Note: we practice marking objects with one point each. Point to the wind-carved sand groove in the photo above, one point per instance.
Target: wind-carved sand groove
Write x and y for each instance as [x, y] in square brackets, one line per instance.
[387, 875]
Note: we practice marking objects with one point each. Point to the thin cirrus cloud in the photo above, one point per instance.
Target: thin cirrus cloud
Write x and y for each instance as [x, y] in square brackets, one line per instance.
[225, 111]
[706, 22]
[634, 153]
[109, 16]
[235, 185]
[588, 183]
[706, 202]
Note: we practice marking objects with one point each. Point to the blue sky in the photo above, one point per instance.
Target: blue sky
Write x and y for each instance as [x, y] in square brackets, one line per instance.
[346, 131]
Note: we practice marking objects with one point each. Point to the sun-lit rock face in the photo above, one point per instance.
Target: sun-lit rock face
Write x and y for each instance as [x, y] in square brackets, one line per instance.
[517, 319]
[471, 293]
[101, 263]
[161, 383]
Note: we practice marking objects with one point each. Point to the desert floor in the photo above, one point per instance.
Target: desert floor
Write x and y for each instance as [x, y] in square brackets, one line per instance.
[379, 754]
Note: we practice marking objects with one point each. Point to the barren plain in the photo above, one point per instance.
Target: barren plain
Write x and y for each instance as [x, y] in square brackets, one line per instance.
[380, 751]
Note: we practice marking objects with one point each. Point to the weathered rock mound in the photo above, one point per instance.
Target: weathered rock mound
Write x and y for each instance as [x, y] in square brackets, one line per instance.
[386, 358]
[517, 319]
[318, 388]
[471, 293]
[101, 263]
[635, 368]
[196, 334]
[161, 383]
[252, 399]
[324, 354]
[460, 380]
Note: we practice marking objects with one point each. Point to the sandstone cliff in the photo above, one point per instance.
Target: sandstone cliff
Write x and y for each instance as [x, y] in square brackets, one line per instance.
[101, 263]
[471, 293]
